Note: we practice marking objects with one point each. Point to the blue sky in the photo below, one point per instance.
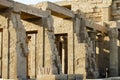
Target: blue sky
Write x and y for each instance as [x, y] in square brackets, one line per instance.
[34, 1]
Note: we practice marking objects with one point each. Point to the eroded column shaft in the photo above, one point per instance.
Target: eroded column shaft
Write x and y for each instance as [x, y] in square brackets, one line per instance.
[113, 35]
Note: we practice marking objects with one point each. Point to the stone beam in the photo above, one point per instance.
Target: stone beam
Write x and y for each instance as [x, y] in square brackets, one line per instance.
[5, 3]
[57, 10]
[91, 24]
[23, 8]
[31, 10]
[60, 10]
[96, 26]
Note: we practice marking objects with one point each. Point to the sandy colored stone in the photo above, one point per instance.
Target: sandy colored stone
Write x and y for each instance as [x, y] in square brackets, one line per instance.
[28, 43]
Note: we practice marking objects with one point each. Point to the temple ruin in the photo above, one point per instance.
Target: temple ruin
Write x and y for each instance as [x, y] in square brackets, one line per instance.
[66, 40]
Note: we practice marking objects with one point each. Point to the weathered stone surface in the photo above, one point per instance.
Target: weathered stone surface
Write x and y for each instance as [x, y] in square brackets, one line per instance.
[80, 77]
[47, 77]
[63, 77]
[17, 35]
[56, 9]
[71, 77]
[32, 55]
[1, 54]
[113, 34]
[28, 47]
[5, 55]
[4, 45]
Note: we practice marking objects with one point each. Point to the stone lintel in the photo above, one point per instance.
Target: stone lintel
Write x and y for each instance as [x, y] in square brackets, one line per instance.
[60, 10]
[57, 10]
[29, 10]
[91, 24]
[96, 26]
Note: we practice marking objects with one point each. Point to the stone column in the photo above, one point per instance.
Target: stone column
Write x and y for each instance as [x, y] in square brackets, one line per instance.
[113, 35]
[92, 35]
[99, 51]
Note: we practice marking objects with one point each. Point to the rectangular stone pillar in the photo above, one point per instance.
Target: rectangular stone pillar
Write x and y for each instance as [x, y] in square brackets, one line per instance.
[5, 50]
[12, 53]
[80, 47]
[80, 63]
[52, 61]
[18, 47]
[39, 55]
[80, 58]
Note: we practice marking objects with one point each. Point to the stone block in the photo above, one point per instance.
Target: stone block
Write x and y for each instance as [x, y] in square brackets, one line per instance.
[71, 77]
[57, 77]
[47, 77]
[63, 77]
[79, 77]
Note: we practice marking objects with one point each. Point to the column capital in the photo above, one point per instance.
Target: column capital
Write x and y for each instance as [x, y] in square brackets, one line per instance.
[92, 34]
[100, 36]
[113, 32]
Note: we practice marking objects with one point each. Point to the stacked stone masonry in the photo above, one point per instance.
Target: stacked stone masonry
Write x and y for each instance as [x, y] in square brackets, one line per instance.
[66, 40]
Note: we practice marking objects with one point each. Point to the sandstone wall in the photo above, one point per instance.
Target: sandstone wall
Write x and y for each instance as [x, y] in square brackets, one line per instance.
[90, 10]
[43, 50]
[14, 48]
[76, 51]
[115, 8]
[62, 26]
[34, 30]
[4, 26]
